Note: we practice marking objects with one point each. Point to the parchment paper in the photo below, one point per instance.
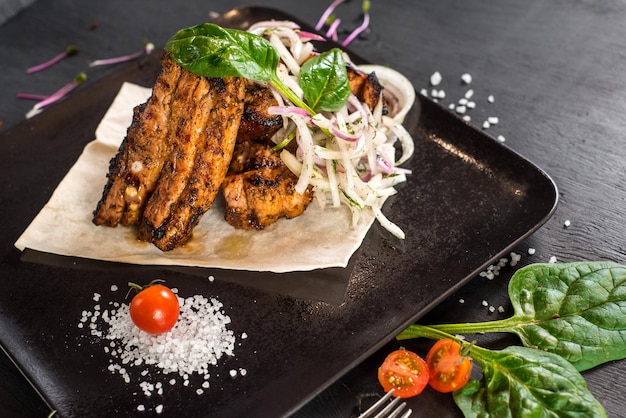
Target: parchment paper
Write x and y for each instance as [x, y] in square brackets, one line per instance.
[317, 239]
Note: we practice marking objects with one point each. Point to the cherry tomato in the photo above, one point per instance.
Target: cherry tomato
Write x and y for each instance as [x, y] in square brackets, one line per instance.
[405, 372]
[155, 309]
[449, 368]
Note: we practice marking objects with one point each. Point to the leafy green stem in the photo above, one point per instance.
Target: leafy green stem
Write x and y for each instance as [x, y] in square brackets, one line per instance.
[502, 325]
[289, 94]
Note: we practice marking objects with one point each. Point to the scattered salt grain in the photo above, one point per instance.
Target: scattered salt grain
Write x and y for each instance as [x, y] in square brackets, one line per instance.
[461, 300]
[471, 104]
[552, 259]
[469, 94]
[141, 408]
[244, 336]
[460, 109]
[515, 258]
[486, 124]
[467, 118]
[463, 101]
[233, 373]
[211, 278]
[113, 288]
[501, 138]
[493, 120]
[567, 223]
[492, 309]
[158, 409]
[243, 372]
[96, 297]
[485, 303]
[531, 251]
[501, 309]
[435, 78]
[199, 391]
[424, 92]
[491, 99]
[467, 78]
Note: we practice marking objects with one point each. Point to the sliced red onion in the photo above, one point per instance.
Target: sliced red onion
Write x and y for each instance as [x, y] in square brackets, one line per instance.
[344, 135]
[310, 36]
[288, 111]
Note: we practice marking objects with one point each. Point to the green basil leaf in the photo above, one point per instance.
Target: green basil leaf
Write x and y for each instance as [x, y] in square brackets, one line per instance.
[525, 382]
[324, 81]
[577, 310]
[212, 51]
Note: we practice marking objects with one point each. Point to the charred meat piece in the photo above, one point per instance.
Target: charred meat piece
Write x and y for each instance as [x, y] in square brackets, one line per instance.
[256, 122]
[364, 86]
[203, 128]
[134, 171]
[259, 189]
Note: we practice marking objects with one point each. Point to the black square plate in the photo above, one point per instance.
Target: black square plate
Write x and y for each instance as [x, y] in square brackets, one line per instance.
[468, 202]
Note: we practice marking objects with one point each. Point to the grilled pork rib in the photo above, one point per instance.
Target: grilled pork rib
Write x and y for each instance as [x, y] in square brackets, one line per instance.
[134, 171]
[259, 189]
[203, 128]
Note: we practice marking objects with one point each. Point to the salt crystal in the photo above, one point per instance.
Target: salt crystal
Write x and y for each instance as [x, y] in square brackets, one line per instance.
[467, 118]
[460, 109]
[243, 372]
[492, 309]
[531, 251]
[485, 303]
[467, 78]
[501, 309]
[469, 93]
[424, 92]
[158, 409]
[552, 259]
[463, 101]
[141, 408]
[435, 78]
[567, 223]
[113, 288]
[501, 138]
[471, 104]
[493, 120]
[233, 373]
[486, 124]
[461, 300]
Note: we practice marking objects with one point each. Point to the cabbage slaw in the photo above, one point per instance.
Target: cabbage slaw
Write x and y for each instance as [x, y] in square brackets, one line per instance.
[348, 157]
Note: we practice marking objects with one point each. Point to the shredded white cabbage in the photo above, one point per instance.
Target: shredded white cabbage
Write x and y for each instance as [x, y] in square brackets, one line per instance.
[355, 166]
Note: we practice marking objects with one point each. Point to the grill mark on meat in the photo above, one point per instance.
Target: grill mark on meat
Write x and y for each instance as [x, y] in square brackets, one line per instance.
[259, 189]
[256, 122]
[364, 86]
[135, 169]
[201, 155]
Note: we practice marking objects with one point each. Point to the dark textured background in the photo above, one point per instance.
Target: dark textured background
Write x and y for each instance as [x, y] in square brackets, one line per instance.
[556, 70]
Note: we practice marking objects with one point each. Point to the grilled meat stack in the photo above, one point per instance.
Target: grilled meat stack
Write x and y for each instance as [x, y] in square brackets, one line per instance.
[193, 136]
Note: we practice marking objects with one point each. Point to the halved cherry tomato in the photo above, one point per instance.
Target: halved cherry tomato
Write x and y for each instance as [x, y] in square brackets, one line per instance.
[405, 372]
[155, 309]
[449, 368]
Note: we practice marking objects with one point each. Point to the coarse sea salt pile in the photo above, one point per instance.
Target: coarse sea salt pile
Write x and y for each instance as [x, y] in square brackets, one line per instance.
[197, 342]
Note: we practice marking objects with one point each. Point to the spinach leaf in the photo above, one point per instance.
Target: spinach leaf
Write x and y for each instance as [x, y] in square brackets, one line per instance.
[324, 81]
[576, 310]
[525, 382]
[212, 51]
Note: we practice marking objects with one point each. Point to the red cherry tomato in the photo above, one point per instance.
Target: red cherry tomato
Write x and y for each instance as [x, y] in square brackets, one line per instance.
[449, 368]
[405, 372]
[155, 309]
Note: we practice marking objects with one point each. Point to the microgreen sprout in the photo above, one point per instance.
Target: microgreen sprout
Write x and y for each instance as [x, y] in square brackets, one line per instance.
[69, 51]
[333, 22]
[327, 14]
[28, 96]
[147, 50]
[58, 95]
[362, 27]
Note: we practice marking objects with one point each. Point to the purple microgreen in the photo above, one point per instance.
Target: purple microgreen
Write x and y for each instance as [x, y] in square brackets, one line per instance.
[332, 30]
[147, 50]
[362, 27]
[28, 96]
[327, 13]
[58, 95]
[69, 51]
